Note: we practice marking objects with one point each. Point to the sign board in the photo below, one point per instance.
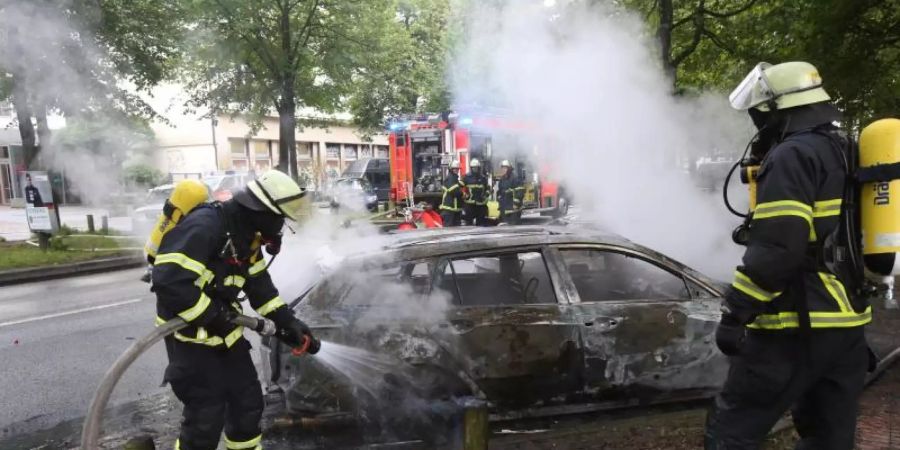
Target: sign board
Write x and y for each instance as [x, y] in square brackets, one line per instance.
[40, 207]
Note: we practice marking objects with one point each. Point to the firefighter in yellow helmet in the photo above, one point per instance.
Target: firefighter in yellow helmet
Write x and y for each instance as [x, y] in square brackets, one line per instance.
[203, 263]
[510, 193]
[476, 194]
[792, 322]
[452, 198]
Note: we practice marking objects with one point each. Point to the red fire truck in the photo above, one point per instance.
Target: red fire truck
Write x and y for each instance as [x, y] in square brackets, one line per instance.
[422, 147]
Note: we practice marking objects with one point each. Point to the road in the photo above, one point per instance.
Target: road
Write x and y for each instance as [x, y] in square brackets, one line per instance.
[57, 339]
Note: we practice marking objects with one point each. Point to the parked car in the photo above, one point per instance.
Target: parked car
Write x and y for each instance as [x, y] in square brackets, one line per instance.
[222, 186]
[376, 170]
[353, 193]
[528, 318]
[143, 217]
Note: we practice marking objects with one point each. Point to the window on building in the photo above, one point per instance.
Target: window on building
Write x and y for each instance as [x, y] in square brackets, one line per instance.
[238, 154]
[601, 275]
[381, 151]
[262, 160]
[515, 278]
[333, 151]
[304, 150]
[4, 152]
[350, 151]
[365, 151]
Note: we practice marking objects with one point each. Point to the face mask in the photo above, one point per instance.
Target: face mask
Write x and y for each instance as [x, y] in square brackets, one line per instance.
[267, 224]
[769, 132]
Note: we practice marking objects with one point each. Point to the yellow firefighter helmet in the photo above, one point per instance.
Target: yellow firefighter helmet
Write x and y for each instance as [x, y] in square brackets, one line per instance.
[782, 86]
[274, 191]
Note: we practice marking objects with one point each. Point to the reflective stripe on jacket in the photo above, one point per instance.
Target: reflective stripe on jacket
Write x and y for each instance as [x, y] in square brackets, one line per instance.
[189, 277]
[452, 197]
[477, 186]
[510, 193]
[801, 183]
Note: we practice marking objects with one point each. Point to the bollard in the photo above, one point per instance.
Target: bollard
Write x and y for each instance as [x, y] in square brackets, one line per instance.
[475, 425]
[90, 223]
[104, 224]
[44, 241]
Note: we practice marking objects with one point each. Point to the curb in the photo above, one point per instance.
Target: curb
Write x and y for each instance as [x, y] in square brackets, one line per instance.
[18, 276]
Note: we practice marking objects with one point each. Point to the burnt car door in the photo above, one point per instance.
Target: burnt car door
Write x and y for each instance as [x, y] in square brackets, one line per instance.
[507, 329]
[647, 328]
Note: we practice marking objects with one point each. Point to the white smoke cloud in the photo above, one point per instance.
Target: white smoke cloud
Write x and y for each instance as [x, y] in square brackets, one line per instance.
[589, 75]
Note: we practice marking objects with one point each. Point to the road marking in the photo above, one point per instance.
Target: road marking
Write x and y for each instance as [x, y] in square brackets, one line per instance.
[69, 313]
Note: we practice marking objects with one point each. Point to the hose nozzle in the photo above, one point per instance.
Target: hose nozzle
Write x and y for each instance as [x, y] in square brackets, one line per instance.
[263, 326]
[310, 345]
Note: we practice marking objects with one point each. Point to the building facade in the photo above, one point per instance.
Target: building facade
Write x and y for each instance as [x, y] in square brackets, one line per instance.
[201, 146]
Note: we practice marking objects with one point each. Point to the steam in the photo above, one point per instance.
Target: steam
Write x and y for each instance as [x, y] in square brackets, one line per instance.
[623, 142]
[56, 67]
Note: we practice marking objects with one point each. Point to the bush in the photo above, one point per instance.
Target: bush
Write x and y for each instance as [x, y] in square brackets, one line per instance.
[143, 175]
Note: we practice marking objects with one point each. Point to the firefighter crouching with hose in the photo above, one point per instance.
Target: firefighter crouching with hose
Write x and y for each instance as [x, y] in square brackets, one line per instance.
[793, 318]
[203, 263]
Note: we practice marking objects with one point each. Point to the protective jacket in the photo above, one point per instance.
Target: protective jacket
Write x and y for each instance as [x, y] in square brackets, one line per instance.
[199, 268]
[800, 190]
[476, 184]
[510, 193]
[452, 198]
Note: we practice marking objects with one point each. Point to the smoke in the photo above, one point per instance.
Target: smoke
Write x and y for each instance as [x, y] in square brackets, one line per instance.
[54, 66]
[623, 144]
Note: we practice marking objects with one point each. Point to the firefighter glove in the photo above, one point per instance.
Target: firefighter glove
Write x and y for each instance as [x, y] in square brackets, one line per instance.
[730, 335]
[293, 332]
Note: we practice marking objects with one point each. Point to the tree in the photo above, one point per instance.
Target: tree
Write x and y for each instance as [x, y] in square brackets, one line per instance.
[252, 56]
[409, 75]
[681, 28]
[72, 56]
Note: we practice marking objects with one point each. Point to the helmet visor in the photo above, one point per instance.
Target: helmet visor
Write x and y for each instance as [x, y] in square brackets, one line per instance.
[295, 208]
[753, 91]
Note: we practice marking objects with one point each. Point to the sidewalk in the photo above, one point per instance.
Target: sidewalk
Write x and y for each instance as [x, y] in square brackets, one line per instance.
[14, 227]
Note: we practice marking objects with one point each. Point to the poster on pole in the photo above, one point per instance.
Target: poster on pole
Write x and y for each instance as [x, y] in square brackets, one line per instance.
[40, 207]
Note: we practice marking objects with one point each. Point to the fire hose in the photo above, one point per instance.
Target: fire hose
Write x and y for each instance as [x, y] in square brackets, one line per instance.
[90, 435]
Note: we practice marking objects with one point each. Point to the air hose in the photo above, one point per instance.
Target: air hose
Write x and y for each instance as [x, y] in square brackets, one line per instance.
[90, 435]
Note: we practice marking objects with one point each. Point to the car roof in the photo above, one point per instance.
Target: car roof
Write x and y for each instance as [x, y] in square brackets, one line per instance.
[430, 243]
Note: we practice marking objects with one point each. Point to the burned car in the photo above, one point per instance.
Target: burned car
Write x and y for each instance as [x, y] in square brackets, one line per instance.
[525, 318]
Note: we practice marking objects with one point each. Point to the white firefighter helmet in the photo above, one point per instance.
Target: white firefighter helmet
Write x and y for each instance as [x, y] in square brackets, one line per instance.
[785, 85]
[273, 191]
[505, 163]
[454, 164]
[474, 163]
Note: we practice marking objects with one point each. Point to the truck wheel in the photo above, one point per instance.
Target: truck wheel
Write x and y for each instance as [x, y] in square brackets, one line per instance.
[562, 208]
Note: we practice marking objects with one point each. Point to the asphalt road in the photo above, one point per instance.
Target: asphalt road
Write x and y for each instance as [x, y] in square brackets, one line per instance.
[57, 338]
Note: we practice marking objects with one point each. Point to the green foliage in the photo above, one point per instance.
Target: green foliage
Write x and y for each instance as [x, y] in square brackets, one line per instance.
[143, 175]
[855, 44]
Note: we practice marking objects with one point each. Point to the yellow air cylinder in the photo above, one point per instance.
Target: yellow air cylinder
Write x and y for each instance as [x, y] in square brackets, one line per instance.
[879, 144]
[186, 195]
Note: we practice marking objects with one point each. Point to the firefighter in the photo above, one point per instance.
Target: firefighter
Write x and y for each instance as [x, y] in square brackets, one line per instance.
[793, 331]
[510, 193]
[210, 256]
[476, 200]
[452, 199]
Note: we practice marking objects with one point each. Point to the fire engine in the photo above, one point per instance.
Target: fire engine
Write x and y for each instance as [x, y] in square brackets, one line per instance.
[422, 147]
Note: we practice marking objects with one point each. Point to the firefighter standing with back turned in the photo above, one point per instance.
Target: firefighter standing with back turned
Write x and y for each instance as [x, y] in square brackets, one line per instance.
[211, 255]
[510, 193]
[794, 335]
[476, 200]
[452, 199]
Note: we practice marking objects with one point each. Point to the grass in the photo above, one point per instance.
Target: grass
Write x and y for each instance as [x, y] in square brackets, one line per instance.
[20, 255]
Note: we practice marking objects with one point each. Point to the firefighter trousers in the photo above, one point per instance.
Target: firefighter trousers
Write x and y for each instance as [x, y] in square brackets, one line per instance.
[819, 379]
[451, 218]
[511, 217]
[476, 214]
[219, 389]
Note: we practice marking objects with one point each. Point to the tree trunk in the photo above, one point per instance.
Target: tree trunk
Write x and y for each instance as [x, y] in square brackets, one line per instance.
[287, 119]
[26, 128]
[664, 34]
[43, 127]
[287, 140]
